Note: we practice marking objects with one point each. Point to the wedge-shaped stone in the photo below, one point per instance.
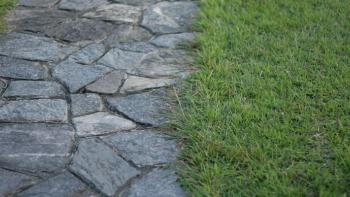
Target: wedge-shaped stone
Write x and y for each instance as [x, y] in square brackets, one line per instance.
[134, 83]
[173, 40]
[85, 104]
[11, 182]
[144, 147]
[101, 166]
[101, 123]
[88, 54]
[37, 3]
[80, 5]
[108, 84]
[127, 33]
[116, 12]
[121, 60]
[41, 110]
[34, 89]
[36, 147]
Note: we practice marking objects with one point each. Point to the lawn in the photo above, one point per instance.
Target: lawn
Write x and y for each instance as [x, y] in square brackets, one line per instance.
[269, 112]
[5, 5]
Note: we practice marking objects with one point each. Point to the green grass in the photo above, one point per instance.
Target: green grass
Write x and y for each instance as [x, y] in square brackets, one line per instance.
[269, 112]
[5, 5]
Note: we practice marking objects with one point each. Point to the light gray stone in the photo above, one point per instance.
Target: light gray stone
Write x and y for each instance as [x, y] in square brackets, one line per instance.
[76, 76]
[11, 182]
[121, 60]
[37, 3]
[40, 110]
[144, 147]
[135, 83]
[34, 89]
[101, 166]
[157, 183]
[137, 2]
[108, 84]
[173, 40]
[30, 47]
[169, 17]
[143, 47]
[88, 54]
[101, 123]
[83, 104]
[148, 108]
[37, 147]
[81, 5]
[127, 33]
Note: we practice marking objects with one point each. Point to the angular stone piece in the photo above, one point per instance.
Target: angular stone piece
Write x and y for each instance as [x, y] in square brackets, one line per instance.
[134, 83]
[169, 17]
[88, 54]
[101, 123]
[3, 85]
[137, 2]
[80, 5]
[116, 12]
[101, 166]
[144, 147]
[36, 147]
[121, 60]
[157, 183]
[30, 47]
[40, 110]
[37, 3]
[21, 69]
[76, 76]
[108, 84]
[148, 108]
[173, 40]
[34, 89]
[86, 103]
[143, 47]
[11, 182]
[127, 33]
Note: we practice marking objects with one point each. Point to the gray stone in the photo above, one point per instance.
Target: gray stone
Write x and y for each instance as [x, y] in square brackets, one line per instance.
[36, 147]
[144, 147]
[88, 54]
[3, 85]
[169, 17]
[157, 183]
[101, 166]
[143, 47]
[33, 48]
[40, 110]
[76, 76]
[134, 83]
[127, 33]
[101, 123]
[108, 84]
[21, 69]
[121, 60]
[11, 182]
[137, 2]
[173, 40]
[34, 89]
[81, 5]
[148, 108]
[37, 3]
[116, 12]
[85, 104]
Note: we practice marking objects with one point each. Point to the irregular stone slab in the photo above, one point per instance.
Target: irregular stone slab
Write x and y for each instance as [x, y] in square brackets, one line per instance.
[121, 60]
[101, 123]
[85, 104]
[34, 89]
[137, 2]
[41, 110]
[3, 85]
[76, 76]
[169, 17]
[157, 183]
[144, 147]
[11, 182]
[127, 33]
[88, 54]
[21, 69]
[30, 47]
[81, 5]
[173, 40]
[143, 47]
[36, 147]
[101, 166]
[117, 13]
[37, 3]
[148, 108]
[108, 84]
[134, 83]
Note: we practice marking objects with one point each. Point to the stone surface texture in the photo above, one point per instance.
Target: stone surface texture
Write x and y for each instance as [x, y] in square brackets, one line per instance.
[83, 104]
[34, 89]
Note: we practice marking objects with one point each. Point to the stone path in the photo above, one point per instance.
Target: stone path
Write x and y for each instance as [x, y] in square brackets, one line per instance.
[84, 87]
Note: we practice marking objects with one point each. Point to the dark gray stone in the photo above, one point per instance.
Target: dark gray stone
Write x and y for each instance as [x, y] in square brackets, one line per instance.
[41, 110]
[81, 5]
[148, 108]
[76, 76]
[108, 84]
[127, 33]
[143, 47]
[3, 85]
[144, 147]
[173, 40]
[21, 69]
[11, 182]
[83, 104]
[101, 166]
[121, 60]
[135, 84]
[34, 89]
[157, 183]
[88, 54]
[37, 147]
[37, 3]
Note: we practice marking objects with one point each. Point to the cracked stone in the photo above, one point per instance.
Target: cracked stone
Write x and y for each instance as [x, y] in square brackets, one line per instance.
[121, 60]
[85, 104]
[12, 182]
[101, 166]
[37, 3]
[101, 123]
[143, 47]
[77, 76]
[88, 54]
[34, 89]
[173, 40]
[135, 83]
[36, 147]
[144, 147]
[30, 47]
[108, 84]
[127, 33]
[169, 17]
[81, 5]
[148, 108]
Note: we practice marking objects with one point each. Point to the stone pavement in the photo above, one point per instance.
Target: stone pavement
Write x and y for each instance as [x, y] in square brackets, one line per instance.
[84, 88]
